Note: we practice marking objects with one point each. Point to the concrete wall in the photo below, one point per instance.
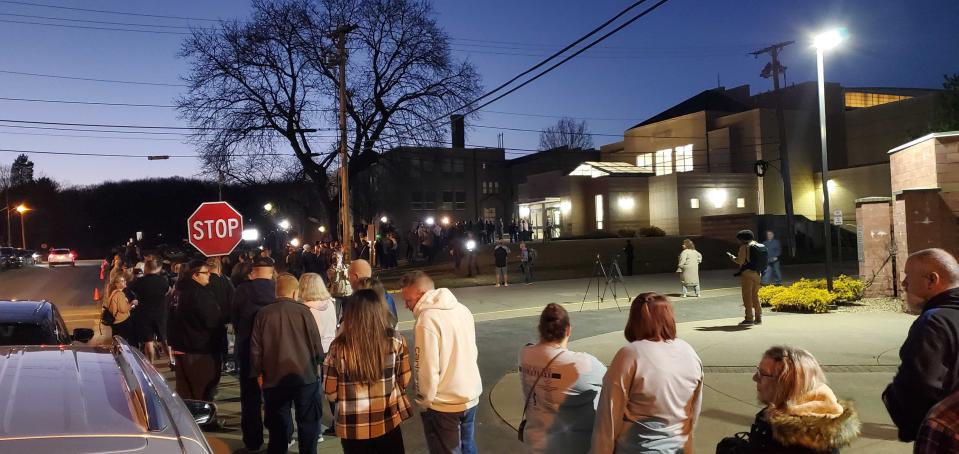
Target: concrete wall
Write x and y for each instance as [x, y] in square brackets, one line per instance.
[874, 235]
[663, 203]
[700, 186]
[852, 184]
[872, 132]
[620, 217]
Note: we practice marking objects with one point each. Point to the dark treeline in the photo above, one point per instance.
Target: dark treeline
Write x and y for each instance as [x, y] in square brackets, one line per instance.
[94, 219]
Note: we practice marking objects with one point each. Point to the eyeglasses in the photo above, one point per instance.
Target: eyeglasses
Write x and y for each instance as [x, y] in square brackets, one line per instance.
[761, 374]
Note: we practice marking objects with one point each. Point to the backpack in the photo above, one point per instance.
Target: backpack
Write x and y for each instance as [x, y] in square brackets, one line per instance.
[758, 257]
[532, 255]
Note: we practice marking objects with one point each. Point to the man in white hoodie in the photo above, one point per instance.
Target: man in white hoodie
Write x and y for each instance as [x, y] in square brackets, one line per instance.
[448, 384]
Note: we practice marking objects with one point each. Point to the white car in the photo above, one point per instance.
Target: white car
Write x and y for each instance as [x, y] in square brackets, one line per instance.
[62, 256]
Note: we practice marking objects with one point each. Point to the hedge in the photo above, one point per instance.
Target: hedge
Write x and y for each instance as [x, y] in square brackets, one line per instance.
[810, 295]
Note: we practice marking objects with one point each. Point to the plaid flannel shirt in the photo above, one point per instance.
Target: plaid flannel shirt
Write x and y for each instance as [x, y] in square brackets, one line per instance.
[939, 432]
[364, 411]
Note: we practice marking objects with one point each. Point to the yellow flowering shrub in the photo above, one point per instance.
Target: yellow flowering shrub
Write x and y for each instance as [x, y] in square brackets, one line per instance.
[810, 295]
[767, 292]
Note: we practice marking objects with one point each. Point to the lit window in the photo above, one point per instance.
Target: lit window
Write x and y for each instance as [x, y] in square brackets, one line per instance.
[694, 203]
[684, 158]
[664, 162]
[496, 187]
[484, 187]
[599, 211]
[740, 202]
[645, 162]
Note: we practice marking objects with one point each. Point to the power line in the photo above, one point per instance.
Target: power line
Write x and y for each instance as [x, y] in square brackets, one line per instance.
[124, 13]
[88, 79]
[90, 125]
[91, 27]
[86, 21]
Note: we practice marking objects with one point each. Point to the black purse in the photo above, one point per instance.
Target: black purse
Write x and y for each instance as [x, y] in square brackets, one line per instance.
[532, 389]
[737, 444]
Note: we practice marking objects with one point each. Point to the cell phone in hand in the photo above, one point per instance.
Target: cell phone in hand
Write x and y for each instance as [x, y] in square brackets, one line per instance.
[730, 254]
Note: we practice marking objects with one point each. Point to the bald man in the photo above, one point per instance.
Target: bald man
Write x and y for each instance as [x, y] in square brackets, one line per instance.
[360, 270]
[929, 371]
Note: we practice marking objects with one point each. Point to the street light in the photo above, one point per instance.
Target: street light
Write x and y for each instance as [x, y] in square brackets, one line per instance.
[430, 220]
[23, 232]
[445, 220]
[284, 224]
[322, 229]
[384, 219]
[268, 207]
[823, 42]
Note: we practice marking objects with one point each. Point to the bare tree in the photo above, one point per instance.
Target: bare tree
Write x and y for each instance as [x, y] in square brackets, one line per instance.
[258, 88]
[5, 183]
[566, 133]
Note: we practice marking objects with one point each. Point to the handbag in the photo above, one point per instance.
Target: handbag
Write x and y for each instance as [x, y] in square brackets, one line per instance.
[532, 389]
[737, 444]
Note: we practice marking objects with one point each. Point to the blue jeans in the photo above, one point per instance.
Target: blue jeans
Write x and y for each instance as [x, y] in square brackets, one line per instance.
[450, 433]
[773, 273]
[305, 401]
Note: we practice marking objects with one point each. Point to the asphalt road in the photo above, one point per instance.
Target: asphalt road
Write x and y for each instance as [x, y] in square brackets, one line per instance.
[64, 285]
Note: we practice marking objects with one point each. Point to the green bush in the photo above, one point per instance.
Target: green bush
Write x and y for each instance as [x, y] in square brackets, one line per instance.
[626, 233]
[652, 231]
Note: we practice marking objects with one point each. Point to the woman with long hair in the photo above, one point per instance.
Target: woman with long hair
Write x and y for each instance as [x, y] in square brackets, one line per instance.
[802, 414]
[119, 307]
[688, 267]
[366, 373]
[377, 286]
[653, 389]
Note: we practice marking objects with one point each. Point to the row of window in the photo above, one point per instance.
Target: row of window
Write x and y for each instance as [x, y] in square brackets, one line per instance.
[661, 162]
[491, 187]
[446, 165]
[740, 203]
[449, 200]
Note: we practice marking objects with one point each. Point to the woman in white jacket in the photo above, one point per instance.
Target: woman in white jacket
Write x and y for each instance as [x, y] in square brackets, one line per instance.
[313, 294]
[688, 267]
[652, 391]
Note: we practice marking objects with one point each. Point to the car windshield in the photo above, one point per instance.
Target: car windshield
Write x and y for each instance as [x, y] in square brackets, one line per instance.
[21, 334]
[6, 251]
[61, 251]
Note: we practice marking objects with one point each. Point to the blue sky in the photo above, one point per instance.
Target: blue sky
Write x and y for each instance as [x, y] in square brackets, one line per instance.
[673, 53]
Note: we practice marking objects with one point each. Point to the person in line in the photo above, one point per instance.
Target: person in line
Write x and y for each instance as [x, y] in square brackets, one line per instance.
[928, 372]
[802, 414]
[774, 249]
[287, 351]
[752, 262]
[150, 322]
[527, 257]
[365, 374]
[939, 432]
[630, 253]
[448, 384]
[339, 280]
[198, 321]
[360, 270]
[500, 257]
[688, 267]
[653, 390]
[223, 292]
[372, 283]
[313, 294]
[120, 307]
[249, 298]
[566, 385]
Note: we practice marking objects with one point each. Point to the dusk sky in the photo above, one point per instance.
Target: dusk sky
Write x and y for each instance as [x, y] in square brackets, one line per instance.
[665, 57]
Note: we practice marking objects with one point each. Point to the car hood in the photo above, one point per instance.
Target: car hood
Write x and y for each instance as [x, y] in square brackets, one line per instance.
[54, 391]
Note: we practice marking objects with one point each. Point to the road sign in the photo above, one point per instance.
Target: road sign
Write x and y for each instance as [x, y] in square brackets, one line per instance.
[215, 228]
[837, 217]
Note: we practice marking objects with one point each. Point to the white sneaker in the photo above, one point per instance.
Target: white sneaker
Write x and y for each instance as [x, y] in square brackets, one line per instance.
[505, 285]
[497, 284]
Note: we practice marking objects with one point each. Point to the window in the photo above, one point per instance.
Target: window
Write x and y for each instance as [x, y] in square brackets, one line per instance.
[694, 203]
[740, 202]
[447, 200]
[664, 162]
[485, 188]
[489, 213]
[645, 162]
[599, 211]
[416, 200]
[429, 200]
[684, 158]
[447, 165]
[458, 166]
[496, 187]
[856, 99]
[460, 200]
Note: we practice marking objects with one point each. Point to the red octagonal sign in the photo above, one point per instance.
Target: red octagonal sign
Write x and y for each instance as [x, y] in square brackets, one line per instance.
[215, 228]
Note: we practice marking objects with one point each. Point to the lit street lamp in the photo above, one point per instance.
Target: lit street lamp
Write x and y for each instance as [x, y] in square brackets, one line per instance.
[22, 209]
[268, 207]
[823, 42]
[430, 220]
[322, 229]
[284, 224]
[384, 219]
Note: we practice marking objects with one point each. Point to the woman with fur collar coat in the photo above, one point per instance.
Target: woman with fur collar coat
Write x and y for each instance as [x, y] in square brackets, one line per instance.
[802, 413]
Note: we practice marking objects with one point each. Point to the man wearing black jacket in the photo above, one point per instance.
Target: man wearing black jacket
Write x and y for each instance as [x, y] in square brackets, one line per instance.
[222, 290]
[249, 298]
[929, 371]
[197, 318]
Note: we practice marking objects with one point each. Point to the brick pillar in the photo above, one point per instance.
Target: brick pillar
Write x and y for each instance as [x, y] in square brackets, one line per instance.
[923, 220]
[874, 243]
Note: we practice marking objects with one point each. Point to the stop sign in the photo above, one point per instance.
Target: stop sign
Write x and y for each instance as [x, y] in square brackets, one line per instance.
[215, 228]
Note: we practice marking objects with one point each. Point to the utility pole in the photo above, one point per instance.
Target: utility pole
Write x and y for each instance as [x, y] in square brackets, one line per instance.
[772, 70]
[345, 235]
[6, 194]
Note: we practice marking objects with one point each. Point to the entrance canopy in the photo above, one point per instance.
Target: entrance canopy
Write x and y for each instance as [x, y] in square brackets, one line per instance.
[596, 169]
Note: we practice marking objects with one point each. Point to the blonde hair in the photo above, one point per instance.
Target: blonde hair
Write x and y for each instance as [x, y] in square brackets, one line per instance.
[286, 285]
[312, 288]
[113, 283]
[689, 244]
[797, 371]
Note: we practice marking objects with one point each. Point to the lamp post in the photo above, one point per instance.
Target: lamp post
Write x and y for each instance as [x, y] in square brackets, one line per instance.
[823, 42]
[22, 209]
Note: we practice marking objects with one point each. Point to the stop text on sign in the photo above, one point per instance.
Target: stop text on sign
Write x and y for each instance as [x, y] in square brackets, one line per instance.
[214, 228]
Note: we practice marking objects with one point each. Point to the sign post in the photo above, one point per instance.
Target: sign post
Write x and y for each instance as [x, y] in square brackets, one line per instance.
[215, 228]
[837, 221]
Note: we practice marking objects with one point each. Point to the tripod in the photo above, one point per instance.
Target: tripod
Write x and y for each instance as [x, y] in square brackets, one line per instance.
[616, 277]
[601, 276]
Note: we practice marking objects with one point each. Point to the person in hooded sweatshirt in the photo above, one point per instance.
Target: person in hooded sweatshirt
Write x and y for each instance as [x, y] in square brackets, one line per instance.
[249, 298]
[448, 384]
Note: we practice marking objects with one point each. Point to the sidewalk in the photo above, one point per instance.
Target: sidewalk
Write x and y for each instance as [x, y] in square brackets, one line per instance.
[859, 371]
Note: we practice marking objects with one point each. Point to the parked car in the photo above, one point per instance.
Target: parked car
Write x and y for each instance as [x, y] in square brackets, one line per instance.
[61, 256]
[8, 258]
[105, 398]
[27, 257]
[36, 323]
